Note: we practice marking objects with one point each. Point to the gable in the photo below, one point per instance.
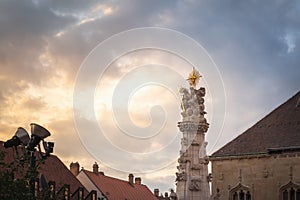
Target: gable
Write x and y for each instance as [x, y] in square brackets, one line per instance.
[278, 130]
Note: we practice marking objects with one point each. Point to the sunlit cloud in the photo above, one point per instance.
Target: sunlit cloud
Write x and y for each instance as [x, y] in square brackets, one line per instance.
[102, 8]
[43, 45]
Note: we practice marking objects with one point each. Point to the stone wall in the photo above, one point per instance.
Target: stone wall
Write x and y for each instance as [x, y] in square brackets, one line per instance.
[263, 175]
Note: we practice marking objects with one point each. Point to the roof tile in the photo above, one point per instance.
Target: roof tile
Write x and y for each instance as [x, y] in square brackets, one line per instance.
[116, 189]
[279, 129]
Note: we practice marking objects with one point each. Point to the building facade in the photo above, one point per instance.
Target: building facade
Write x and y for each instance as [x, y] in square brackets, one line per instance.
[264, 161]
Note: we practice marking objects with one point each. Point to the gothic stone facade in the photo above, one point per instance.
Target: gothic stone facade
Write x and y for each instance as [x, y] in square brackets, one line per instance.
[263, 163]
[256, 177]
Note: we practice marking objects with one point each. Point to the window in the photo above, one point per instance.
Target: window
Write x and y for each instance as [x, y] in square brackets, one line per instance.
[235, 196]
[248, 196]
[290, 191]
[298, 194]
[52, 189]
[241, 195]
[285, 195]
[240, 192]
[292, 194]
[36, 187]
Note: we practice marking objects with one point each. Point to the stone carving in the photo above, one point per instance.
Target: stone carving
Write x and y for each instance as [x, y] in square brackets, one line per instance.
[217, 196]
[192, 176]
[204, 160]
[209, 177]
[183, 158]
[184, 141]
[221, 177]
[192, 126]
[265, 173]
[192, 104]
[183, 154]
[181, 167]
[195, 184]
[195, 142]
[203, 126]
[173, 195]
[196, 166]
[200, 93]
[180, 176]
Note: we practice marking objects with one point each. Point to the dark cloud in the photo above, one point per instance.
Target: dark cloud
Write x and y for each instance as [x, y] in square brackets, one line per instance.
[69, 6]
[25, 29]
[256, 45]
[247, 41]
[77, 41]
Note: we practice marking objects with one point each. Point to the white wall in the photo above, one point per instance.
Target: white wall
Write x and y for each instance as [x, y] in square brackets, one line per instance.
[88, 184]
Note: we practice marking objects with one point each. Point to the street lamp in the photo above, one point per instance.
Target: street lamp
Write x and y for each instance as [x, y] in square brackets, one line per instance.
[29, 144]
[21, 137]
[38, 134]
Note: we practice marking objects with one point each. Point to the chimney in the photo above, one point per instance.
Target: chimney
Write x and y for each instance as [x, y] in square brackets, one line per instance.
[166, 195]
[156, 192]
[74, 168]
[101, 173]
[95, 168]
[130, 179]
[138, 180]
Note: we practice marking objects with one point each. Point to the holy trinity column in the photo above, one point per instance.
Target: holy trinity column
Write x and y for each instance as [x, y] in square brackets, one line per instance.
[192, 176]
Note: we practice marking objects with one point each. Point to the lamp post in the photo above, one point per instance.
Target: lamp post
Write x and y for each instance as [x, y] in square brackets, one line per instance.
[29, 145]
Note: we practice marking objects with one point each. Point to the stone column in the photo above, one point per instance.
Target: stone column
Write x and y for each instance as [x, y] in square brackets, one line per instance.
[192, 176]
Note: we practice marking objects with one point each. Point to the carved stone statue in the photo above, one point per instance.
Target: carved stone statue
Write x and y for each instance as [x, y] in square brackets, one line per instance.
[180, 176]
[192, 175]
[217, 196]
[195, 185]
[173, 195]
[192, 104]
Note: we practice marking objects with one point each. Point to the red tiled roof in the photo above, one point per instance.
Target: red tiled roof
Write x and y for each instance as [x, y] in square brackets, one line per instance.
[279, 129]
[53, 169]
[116, 189]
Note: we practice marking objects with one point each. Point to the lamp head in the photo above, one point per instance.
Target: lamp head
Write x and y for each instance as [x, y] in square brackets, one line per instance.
[21, 137]
[38, 133]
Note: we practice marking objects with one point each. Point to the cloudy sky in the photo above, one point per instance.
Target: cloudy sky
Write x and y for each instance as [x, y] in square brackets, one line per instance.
[46, 48]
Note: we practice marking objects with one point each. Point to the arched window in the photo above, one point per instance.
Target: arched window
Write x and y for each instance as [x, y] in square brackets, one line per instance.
[290, 191]
[235, 196]
[285, 195]
[240, 192]
[298, 194]
[248, 196]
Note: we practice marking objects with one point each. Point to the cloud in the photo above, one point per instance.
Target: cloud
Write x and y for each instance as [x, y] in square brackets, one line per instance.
[24, 33]
[256, 46]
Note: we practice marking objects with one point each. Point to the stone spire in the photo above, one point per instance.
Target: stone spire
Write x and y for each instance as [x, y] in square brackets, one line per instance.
[192, 175]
